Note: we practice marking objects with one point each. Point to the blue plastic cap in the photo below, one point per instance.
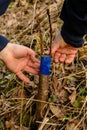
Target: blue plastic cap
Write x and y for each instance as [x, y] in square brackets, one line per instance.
[45, 65]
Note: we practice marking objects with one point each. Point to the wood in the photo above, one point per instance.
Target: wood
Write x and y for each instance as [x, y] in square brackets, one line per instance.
[42, 96]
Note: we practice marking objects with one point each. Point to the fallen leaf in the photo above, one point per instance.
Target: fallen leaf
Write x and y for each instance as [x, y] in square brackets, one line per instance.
[62, 95]
[9, 124]
[72, 125]
[72, 97]
[23, 128]
[57, 111]
[59, 91]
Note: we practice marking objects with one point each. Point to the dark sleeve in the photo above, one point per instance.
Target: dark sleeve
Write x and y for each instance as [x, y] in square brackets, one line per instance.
[74, 15]
[3, 6]
[3, 42]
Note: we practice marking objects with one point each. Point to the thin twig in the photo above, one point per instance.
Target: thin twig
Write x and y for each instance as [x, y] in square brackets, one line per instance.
[53, 124]
[48, 13]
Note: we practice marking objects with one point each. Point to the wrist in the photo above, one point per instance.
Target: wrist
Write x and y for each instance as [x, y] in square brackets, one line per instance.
[4, 53]
[3, 42]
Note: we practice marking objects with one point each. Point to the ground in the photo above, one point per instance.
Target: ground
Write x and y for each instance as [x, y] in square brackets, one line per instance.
[67, 101]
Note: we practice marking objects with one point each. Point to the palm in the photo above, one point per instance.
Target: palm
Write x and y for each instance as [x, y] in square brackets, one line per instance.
[19, 59]
[63, 52]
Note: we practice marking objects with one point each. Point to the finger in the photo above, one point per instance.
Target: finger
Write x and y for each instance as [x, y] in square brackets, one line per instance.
[34, 59]
[56, 57]
[68, 50]
[31, 70]
[34, 65]
[69, 58]
[62, 57]
[22, 77]
[54, 48]
[32, 55]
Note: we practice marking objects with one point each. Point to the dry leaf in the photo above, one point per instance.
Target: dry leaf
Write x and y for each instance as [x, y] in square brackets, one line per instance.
[13, 128]
[62, 95]
[72, 97]
[57, 111]
[19, 128]
[9, 124]
[71, 125]
[58, 90]
[23, 128]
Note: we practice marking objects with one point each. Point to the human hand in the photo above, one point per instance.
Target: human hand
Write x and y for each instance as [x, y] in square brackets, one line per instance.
[19, 58]
[61, 51]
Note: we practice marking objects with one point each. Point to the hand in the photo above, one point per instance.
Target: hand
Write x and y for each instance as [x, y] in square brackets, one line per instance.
[61, 51]
[19, 58]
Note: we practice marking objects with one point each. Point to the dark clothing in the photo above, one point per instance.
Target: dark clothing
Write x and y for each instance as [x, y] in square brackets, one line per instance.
[74, 15]
[3, 42]
[3, 6]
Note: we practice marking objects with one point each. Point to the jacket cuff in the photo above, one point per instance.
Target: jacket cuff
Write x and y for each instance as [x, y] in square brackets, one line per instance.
[71, 38]
[3, 42]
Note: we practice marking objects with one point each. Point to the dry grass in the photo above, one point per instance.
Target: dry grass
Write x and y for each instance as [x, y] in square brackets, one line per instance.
[67, 103]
